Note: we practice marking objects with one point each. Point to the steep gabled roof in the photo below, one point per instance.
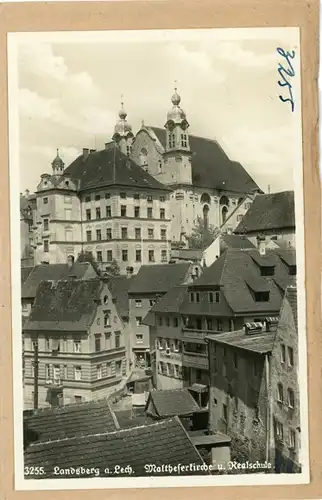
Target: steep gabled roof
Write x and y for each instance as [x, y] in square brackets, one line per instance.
[170, 302]
[50, 424]
[237, 275]
[44, 272]
[25, 271]
[159, 278]
[235, 241]
[119, 287]
[160, 443]
[65, 305]
[261, 343]
[171, 402]
[291, 297]
[269, 212]
[211, 167]
[110, 167]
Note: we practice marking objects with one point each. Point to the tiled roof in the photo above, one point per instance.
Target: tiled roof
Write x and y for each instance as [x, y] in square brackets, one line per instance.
[119, 287]
[110, 167]
[260, 343]
[235, 241]
[187, 254]
[167, 403]
[50, 424]
[237, 275]
[291, 297]
[25, 271]
[171, 301]
[160, 443]
[269, 212]
[65, 305]
[44, 272]
[211, 167]
[126, 419]
[158, 278]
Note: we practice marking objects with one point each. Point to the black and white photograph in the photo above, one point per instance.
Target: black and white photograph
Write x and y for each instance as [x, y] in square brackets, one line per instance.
[157, 232]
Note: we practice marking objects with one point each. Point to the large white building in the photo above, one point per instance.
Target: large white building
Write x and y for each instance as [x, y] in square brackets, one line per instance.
[142, 193]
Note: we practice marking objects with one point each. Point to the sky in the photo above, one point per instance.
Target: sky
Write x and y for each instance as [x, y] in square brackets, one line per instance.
[70, 94]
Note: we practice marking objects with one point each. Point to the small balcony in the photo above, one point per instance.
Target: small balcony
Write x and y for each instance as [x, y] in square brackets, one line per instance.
[195, 360]
[54, 384]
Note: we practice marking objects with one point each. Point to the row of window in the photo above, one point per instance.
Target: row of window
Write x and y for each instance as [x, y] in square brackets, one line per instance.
[61, 345]
[138, 302]
[168, 345]
[172, 140]
[57, 373]
[123, 213]
[290, 397]
[212, 297]
[138, 256]
[195, 323]
[123, 196]
[279, 434]
[170, 370]
[125, 235]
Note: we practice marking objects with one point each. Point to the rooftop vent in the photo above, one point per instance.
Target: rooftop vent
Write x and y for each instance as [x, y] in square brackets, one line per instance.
[271, 323]
[253, 328]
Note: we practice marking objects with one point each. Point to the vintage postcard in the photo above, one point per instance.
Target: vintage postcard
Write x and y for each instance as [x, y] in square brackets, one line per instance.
[157, 194]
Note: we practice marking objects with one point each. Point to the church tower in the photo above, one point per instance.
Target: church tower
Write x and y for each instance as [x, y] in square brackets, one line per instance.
[123, 135]
[58, 165]
[177, 154]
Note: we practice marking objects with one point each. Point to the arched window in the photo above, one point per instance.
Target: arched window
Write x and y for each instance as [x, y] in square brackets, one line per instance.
[224, 201]
[206, 216]
[171, 140]
[205, 198]
[224, 213]
[143, 157]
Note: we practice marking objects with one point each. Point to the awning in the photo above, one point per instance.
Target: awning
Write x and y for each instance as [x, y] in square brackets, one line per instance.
[199, 388]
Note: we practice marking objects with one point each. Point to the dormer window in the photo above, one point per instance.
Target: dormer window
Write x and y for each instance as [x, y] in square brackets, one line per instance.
[267, 270]
[261, 296]
[292, 270]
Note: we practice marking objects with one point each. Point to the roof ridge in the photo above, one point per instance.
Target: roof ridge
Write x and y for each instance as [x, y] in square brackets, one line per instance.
[108, 433]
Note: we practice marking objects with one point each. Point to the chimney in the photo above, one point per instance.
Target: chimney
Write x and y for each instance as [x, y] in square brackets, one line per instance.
[70, 261]
[27, 192]
[129, 271]
[271, 324]
[261, 245]
[107, 145]
[92, 150]
[253, 328]
[85, 153]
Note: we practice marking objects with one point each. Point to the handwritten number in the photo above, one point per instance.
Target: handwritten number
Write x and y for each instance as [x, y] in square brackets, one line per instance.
[284, 73]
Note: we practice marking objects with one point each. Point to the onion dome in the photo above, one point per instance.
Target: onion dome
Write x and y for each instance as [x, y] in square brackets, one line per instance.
[122, 127]
[176, 114]
[58, 164]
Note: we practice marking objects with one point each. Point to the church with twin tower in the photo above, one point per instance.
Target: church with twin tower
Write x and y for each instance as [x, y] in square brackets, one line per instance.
[139, 196]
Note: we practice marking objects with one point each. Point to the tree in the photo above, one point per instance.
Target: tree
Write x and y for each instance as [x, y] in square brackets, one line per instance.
[85, 256]
[113, 268]
[201, 236]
